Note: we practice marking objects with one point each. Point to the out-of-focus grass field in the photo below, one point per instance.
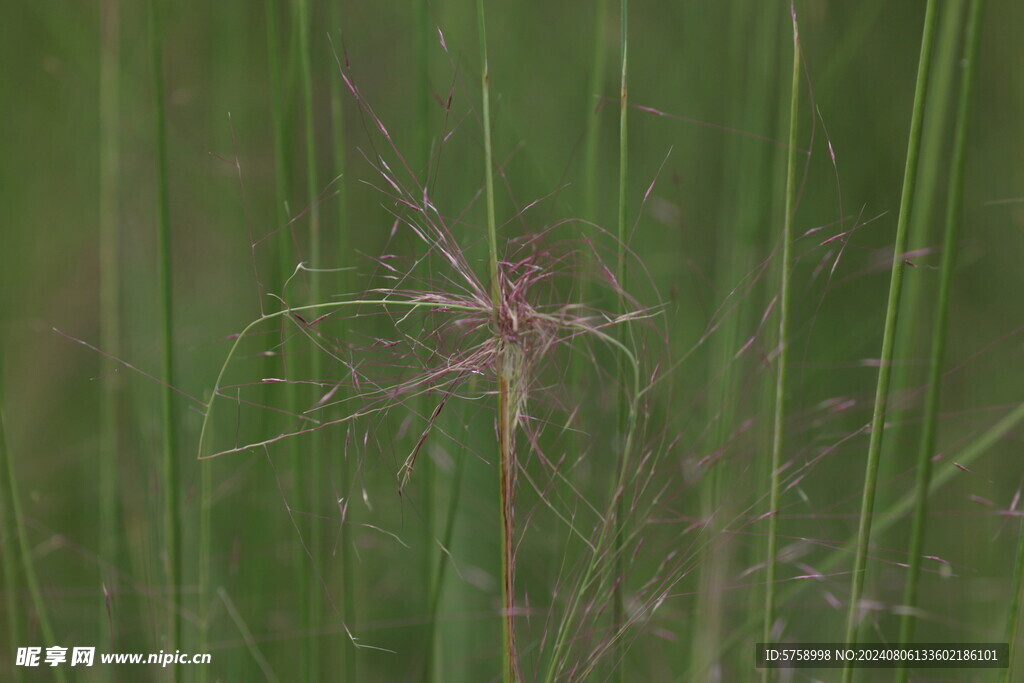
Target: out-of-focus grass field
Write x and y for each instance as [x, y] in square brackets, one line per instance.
[309, 536]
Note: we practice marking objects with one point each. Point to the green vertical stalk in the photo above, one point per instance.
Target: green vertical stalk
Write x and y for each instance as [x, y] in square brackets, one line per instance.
[169, 469]
[954, 219]
[312, 598]
[205, 561]
[433, 559]
[10, 533]
[782, 378]
[492, 231]
[889, 334]
[17, 521]
[621, 273]
[281, 123]
[278, 115]
[506, 380]
[506, 438]
[344, 555]
[593, 135]
[590, 181]
[110, 295]
[338, 150]
[623, 147]
[424, 31]
[437, 576]
[916, 297]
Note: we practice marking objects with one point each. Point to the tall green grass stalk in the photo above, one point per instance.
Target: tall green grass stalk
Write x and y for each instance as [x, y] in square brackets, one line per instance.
[344, 555]
[438, 574]
[910, 369]
[889, 334]
[782, 376]
[17, 526]
[578, 374]
[110, 295]
[280, 131]
[433, 559]
[492, 231]
[954, 219]
[506, 376]
[205, 560]
[284, 263]
[916, 296]
[591, 156]
[592, 140]
[312, 600]
[623, 144]
[619, 608]
[169, 469]
[9, 552]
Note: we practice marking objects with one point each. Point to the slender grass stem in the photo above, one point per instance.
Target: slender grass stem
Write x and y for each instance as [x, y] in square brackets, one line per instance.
[781, 379]
[492, 231]
[578, 375]
[507, 465]
[917, 297]
[433, 560]
[438, 574]
[344, 555]
[281, 128]
[625, 412]
[110, 294]
[304, 19]
[424, 31]
[312, 601]
[10, 534]
[954, 219]
[18, 522]
[205, 552]
[170, 468]
[623, 145]
[591, 153]
[506, 379]
[889, 334]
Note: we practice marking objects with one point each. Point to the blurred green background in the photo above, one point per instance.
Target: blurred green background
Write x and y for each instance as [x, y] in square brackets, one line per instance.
[706, 250]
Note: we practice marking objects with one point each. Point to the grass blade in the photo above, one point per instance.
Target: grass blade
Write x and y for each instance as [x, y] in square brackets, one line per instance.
[110, 283]
[344, 554]
[169, 468]
[619, 609]
[781, 379]
[954, 219]
[10, 535]
[17, 520]
[506, 386]
[312, 598]
[889, 334]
